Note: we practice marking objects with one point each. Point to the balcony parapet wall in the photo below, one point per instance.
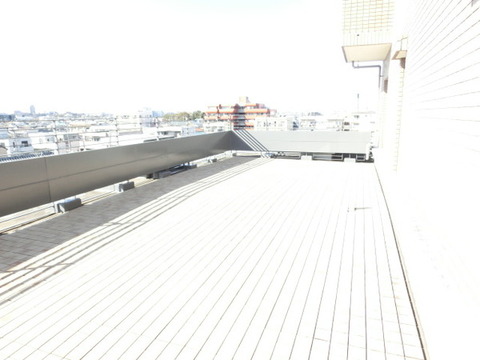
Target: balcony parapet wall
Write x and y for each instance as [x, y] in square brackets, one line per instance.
[33, 182]
[29, 183]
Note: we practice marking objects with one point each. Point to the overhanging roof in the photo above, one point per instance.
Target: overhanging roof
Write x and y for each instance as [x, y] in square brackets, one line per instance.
[372, 52]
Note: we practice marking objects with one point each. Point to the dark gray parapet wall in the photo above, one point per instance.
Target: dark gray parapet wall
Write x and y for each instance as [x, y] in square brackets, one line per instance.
[28, 183]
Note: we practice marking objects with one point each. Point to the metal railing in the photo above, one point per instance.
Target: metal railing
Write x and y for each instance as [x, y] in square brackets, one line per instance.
[21, 139]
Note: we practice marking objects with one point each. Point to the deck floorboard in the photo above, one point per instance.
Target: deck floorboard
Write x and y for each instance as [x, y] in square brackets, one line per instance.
[267, 259]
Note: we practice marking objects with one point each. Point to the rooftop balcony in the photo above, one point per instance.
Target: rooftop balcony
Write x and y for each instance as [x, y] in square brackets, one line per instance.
[244, 258]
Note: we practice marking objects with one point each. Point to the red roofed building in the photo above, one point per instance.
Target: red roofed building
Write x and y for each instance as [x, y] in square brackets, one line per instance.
[239, 116]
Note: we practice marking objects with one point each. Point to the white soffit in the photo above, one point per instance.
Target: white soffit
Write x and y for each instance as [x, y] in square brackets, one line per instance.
[400, 54]
[375, 52]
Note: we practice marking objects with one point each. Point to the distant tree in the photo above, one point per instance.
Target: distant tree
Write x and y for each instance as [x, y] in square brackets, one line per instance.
[169, 117]
[197, 115]
[183, 116]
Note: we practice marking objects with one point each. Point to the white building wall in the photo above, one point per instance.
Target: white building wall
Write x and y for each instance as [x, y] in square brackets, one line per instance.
[442, 122]
[438, 167]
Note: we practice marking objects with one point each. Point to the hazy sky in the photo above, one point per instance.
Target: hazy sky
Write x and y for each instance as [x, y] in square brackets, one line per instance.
[174, 55]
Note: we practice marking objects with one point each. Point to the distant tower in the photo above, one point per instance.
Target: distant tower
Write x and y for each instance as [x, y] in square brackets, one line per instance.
[32, 110]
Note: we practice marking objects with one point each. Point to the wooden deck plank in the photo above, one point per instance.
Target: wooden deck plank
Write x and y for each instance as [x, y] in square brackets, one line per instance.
[268, 259]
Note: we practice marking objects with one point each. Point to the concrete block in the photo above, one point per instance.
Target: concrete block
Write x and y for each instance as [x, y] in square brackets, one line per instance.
[124, 186]
[161, 174]
[68, 205]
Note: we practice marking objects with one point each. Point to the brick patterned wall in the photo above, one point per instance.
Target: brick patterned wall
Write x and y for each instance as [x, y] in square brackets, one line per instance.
[367, 21]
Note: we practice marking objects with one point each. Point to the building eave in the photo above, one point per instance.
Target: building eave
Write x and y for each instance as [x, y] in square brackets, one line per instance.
[370, 52]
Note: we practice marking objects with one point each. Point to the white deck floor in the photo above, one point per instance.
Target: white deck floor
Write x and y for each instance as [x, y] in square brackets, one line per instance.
[268, 259]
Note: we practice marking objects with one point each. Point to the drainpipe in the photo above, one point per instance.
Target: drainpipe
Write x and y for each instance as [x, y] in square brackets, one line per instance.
[380, 75]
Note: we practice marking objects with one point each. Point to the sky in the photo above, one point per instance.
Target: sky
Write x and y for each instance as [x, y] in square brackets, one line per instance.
[176, 55]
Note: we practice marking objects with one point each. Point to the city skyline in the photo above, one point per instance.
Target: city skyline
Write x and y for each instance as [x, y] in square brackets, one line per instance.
[121, 56]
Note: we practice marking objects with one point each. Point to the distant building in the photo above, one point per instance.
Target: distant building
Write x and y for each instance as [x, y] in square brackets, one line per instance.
[56, 142]
[170, 131]
[308, 122]
[239, 116]
[14, 142]
[361, 121]
[253, 111]
[217, 126]
[7, 117]
[334, 121]
[276, 123]
[319, 122]
[4, 142]
[134, 122]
